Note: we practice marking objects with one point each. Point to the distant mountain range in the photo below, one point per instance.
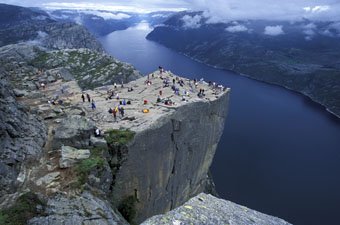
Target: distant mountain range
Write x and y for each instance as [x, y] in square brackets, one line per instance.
[101, 23]
[303, 56]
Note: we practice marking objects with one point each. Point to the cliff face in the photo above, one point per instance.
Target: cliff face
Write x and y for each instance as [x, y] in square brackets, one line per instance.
[22, 137]
[168, 163]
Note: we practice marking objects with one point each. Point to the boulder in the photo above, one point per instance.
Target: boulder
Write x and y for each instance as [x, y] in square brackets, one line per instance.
[207, 209]
[98, 142]
[85, 209]
[70, 156]
[19, 93]
[51, 79]
[73, 131]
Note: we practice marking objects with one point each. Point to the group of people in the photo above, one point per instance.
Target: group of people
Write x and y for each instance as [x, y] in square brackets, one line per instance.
[115, 110]
[93, 104]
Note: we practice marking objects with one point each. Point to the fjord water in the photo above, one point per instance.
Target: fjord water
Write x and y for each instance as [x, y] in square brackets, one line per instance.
[279, 153]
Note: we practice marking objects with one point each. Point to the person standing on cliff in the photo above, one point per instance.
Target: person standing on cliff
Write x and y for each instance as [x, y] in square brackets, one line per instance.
[114, 113]
[83, 97]
[88, 97]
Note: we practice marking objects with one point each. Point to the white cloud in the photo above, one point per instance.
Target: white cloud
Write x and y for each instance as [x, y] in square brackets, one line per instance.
[191, 22]
[273, 30]
[108, 15]
[145, 6]
[316, 9]
[236, 28]
[78, 20]
[42, 34]
[159, 15]
[290, 10]
[310, 30]
[216, 10]
[308, 38]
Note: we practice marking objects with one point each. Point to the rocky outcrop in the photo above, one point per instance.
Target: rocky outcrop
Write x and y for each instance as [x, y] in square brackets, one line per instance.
[71, 156]
[68, 35]
[168, 163]
[73, 131]
[22, 137]
[25, 63]
[207, 209]
[90, 68]
[85, 209]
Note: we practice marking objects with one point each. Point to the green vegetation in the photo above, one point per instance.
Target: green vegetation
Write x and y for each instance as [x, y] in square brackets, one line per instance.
[84, 168]
[121, 137]
[128, 208]
[24, 209]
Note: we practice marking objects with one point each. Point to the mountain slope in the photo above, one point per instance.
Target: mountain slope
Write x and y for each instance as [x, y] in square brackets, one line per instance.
[19, 24]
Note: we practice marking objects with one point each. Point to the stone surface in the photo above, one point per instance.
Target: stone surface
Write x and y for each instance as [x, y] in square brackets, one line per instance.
[209, 210]
[19, 93]
[48, 178]
[98, 142]
[74, 131]
[85, 209]
[70, 156]
[22, 137]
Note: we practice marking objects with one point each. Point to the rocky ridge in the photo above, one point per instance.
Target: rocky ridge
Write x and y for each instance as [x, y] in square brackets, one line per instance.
[20, 24]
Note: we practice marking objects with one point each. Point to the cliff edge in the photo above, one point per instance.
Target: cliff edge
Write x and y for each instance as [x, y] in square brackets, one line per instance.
[78, 152]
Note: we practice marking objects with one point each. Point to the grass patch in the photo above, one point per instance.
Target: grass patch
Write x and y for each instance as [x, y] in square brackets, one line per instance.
[24, 209]
[84, 167]
[121, 137]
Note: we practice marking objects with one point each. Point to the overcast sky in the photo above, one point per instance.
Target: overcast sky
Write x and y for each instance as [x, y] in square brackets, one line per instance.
[217, 10]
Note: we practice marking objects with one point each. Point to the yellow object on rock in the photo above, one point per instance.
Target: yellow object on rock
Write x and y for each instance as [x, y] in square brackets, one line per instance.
[146, 110]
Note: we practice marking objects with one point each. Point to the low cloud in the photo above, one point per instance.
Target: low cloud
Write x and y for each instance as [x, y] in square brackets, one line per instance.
[191, 22]
[236, 28]
[318, 8]
[108, 15]
[273, 30]
[310, 30]
[335, 26]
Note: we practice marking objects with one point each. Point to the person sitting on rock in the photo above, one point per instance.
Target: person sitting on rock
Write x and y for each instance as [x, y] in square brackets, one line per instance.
[158, 99]
[97, 133]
